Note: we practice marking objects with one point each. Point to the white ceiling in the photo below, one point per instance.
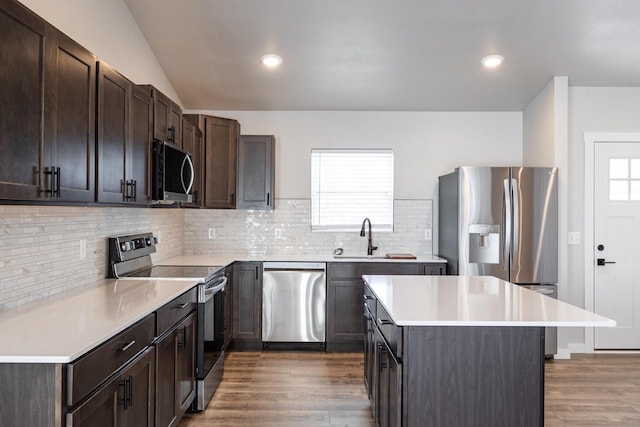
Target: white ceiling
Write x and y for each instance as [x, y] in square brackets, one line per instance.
[404, 55]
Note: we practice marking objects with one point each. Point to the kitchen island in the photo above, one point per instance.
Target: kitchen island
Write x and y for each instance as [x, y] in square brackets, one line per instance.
[459, 351]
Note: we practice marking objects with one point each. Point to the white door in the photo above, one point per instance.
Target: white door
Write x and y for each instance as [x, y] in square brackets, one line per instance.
[617, 243]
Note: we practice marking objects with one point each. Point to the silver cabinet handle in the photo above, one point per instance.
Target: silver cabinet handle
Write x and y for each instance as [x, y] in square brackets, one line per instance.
[128, 346]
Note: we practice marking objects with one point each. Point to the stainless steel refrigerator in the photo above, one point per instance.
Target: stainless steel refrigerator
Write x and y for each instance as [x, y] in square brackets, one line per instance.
[502, 222]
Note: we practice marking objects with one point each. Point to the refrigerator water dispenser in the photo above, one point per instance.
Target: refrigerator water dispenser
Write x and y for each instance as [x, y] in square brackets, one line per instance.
[484, 243]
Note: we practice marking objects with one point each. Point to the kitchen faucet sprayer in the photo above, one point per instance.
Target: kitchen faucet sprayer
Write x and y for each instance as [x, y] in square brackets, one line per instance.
[370, 247]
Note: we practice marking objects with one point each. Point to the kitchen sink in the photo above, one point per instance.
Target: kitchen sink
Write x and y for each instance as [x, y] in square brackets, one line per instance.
[360, 257]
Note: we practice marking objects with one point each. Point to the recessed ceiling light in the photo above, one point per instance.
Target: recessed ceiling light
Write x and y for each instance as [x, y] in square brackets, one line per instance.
[492, 61]
[271, 60]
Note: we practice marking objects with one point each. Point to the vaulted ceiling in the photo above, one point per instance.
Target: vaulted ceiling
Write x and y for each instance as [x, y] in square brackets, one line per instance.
[405, 55]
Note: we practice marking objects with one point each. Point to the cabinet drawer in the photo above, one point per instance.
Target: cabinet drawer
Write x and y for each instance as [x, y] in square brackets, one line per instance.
[389, 330]
[355, 270]
[435, 269]
[369, 300]
[176, 310]
[87, 372]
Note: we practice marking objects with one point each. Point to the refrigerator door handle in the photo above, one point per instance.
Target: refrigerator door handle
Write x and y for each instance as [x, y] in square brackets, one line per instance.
[515, 208]
[506, 222]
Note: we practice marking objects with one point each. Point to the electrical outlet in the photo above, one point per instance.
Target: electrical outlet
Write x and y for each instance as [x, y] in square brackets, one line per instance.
[573, 238]
[212, 233]
[427, 234]
[83, 249]
[278, 233]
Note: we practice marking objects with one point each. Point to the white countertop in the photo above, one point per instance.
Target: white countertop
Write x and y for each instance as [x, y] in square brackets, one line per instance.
[67, 326]
[473, 301]
[226, 259]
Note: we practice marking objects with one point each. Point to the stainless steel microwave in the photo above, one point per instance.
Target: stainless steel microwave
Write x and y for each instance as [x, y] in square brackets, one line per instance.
[172, 174]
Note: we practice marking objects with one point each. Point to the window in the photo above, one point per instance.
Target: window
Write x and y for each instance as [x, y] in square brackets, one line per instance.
[624, 179]
[348, 186]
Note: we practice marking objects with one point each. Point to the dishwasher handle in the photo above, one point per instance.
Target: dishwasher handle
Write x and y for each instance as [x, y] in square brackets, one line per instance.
[294, 266]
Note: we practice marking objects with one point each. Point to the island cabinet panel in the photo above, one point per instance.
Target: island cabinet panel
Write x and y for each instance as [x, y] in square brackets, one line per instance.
[473, 376]
[247, 305]
[345, 287]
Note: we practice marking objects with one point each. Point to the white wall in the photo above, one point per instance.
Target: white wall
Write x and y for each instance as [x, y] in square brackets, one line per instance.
[107, 28]
[538, 126]
[591, 109]
[425, 144]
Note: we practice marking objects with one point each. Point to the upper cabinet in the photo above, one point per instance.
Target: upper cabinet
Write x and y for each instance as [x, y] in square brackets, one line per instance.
[192, 144]
[220, 159]
[124, 137]
[47, 111]
[167, 118]
[256, 172]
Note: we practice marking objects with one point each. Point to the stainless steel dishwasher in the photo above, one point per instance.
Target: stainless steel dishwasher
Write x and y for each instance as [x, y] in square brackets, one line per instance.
[293, 305]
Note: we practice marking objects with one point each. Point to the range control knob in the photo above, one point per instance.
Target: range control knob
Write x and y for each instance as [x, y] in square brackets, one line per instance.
[123, 246]
[148, 241]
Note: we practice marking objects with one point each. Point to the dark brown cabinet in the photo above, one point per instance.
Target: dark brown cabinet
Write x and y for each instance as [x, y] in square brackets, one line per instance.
[123, 139]
[247, 305]
[167, 117]
[192, 144]
[125, 401]
[176, 372]
[220, 162]
[256, 172]
[388, 381]
[345, 330]
[47, 112]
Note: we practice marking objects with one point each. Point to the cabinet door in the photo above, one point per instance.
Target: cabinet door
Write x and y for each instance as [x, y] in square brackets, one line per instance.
[369, 354]
[167, 357]
[161, 116]
[176, 372]
[247, 301]
[228, 308]
[186, 363]
[21, 102]
[70, 115]
[141, 125]
[256, 172]
[175, 124]
[344, 307]
[192, 144]
[220, 162]
[389, 396]
[434, 269]
[127, 400]
[114, 92]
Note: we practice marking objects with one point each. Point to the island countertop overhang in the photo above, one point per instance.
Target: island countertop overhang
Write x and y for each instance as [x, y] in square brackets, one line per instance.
[473, 301]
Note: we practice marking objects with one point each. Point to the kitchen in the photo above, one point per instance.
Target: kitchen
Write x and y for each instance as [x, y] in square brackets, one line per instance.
[53, 235]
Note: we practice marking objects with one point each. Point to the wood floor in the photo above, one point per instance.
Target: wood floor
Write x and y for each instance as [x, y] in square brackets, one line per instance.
[309, 389]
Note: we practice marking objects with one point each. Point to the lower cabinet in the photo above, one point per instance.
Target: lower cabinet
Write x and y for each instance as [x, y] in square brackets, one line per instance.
[345, 287]
[389, 380]
[176, 372]
[126, 400]
[247, 305]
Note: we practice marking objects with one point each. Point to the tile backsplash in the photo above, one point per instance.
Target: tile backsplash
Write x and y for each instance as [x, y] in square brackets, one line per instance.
[287, 230]
[40, 246]
[40, 251]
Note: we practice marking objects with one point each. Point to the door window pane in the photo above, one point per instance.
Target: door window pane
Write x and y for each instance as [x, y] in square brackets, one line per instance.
[635, 190]
[635, 168]
[618, 168]
[618, 190]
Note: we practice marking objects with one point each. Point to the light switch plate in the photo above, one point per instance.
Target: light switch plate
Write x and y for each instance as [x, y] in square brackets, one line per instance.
[573, 238]
[212, 233]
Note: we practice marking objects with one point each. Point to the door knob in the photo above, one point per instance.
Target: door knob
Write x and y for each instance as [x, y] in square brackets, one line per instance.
[601, 261]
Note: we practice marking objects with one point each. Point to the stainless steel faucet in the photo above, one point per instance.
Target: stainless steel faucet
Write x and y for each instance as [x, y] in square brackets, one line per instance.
[370, 247]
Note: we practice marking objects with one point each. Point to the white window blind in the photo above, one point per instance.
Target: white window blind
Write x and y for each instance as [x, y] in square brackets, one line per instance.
[348, 186]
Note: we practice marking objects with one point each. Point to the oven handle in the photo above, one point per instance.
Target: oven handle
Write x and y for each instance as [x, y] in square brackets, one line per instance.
[211, 290]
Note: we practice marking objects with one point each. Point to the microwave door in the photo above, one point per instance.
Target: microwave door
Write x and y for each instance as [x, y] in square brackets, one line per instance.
[187, 169]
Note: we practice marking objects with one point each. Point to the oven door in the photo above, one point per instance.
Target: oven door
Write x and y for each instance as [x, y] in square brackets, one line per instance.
[211, 326]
